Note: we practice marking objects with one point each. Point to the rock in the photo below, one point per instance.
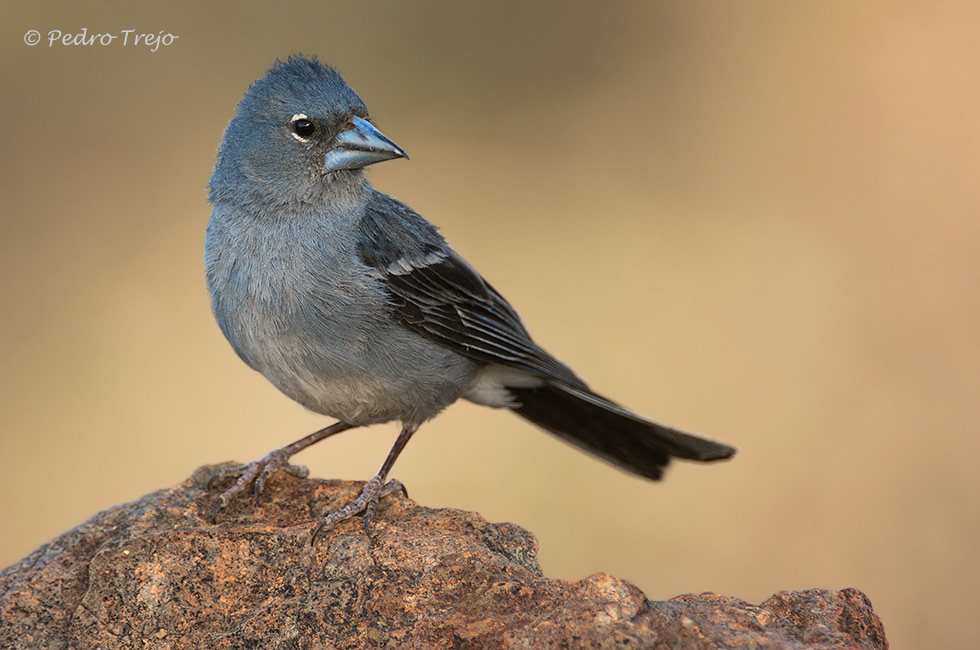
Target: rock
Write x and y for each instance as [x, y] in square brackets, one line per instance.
[156, 573]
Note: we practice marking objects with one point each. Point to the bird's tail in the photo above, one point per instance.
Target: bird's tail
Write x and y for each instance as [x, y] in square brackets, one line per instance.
[614, 433]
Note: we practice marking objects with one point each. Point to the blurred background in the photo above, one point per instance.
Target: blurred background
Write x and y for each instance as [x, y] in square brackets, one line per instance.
[755, 220]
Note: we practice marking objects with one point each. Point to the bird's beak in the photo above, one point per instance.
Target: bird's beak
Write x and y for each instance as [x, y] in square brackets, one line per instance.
[360, 145]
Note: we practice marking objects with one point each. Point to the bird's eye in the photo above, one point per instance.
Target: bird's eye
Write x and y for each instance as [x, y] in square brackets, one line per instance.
[302, 126]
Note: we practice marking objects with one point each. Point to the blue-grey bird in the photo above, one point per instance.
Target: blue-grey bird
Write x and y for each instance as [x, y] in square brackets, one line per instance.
[353, 305]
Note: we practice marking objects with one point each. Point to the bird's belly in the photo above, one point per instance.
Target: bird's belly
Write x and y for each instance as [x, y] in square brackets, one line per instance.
[335, 366]
[366, 382]
[334, 348]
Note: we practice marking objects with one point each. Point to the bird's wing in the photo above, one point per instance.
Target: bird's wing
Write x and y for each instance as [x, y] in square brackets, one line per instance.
[437, 294]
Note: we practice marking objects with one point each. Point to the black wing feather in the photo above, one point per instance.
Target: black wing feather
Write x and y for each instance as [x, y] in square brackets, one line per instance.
[447, 301]
[436, 294]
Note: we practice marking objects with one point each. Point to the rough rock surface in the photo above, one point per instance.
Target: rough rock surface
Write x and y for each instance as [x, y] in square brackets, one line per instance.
[156, 573]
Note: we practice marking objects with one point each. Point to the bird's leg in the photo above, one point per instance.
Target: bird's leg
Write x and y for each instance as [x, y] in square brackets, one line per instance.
[372, 493]
[258, 472]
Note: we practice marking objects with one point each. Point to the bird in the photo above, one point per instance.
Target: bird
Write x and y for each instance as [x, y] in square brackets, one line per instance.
[352, 304]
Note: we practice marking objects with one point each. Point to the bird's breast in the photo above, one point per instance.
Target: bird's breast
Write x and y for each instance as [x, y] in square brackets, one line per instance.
[308, 316]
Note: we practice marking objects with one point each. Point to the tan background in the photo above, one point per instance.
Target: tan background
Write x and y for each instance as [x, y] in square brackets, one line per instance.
[758, 220]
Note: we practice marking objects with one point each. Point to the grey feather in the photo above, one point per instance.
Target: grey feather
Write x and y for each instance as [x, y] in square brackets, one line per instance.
[353, 305]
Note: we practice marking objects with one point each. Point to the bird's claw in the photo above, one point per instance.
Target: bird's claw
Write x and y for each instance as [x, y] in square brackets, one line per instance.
[255, 474]
[367, 502]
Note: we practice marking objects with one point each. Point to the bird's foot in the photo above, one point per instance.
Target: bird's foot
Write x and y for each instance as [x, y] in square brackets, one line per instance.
[367, 503]
[254, 474]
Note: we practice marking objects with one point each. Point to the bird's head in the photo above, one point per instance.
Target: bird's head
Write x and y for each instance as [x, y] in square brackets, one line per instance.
[298, 131]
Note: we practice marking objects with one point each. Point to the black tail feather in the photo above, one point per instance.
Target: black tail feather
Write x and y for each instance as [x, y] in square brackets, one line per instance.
[612, 432]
